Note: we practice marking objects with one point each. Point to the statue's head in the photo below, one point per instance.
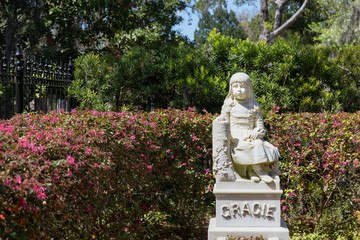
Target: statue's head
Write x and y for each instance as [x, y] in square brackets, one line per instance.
[240, 88]
[240, 78]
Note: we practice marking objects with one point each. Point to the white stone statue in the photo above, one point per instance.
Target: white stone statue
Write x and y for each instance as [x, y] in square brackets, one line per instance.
[239, 150]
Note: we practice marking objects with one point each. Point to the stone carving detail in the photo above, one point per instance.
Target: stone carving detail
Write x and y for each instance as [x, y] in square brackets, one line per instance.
[235, 210]
[239, 150]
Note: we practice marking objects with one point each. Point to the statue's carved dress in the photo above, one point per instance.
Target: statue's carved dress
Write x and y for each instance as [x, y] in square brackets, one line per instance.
[250, 156]
[244, 122]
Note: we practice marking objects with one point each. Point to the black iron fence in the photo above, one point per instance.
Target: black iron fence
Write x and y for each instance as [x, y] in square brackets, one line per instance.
[30, 84]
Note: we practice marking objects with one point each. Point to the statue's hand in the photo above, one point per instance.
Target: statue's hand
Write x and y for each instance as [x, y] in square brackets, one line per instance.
[253, 136]
[222, 118]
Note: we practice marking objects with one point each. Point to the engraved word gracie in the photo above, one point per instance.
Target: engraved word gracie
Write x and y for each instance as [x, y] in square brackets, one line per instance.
[242, 210]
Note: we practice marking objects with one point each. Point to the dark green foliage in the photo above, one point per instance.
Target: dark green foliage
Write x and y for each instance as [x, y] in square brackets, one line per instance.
[73, 27]
[22, 22]
[288, 74]
[147, 79]
[348, 63]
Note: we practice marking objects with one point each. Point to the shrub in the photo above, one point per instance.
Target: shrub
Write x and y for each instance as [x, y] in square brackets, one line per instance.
[103, 174]
[288, 74]
[293, 76]
[146, 79]
[89, 174]
[321, 170]
[348, 62]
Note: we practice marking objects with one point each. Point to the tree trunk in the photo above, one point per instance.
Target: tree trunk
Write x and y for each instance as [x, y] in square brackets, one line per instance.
[10, 35]
[264, 17]
[278, 13]
[268, 36]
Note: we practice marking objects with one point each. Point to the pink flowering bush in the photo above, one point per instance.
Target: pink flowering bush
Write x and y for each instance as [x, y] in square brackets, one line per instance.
[107, 175]
[103, 174]
[321, 171]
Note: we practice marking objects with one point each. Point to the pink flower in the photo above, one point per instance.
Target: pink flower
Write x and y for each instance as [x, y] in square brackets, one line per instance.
[41, 149]
[275, 108]
[150, 168]
[22, 202]
[71, 160]
[18, 179]
[88, 209]
[69, 173]
[40, 192]
[96, 165]
[284, 207]
[290, 194]
[32, 147]
[24, 143]
[168, 151]
[54, 178]
[9, 129]
[88, 150]
[132, 137]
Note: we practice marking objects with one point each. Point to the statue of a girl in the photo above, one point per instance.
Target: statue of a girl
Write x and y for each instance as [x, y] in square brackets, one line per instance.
[243, 128]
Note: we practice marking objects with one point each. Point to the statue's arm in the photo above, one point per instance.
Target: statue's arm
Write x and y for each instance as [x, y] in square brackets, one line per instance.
[259, 129]
[225, 113]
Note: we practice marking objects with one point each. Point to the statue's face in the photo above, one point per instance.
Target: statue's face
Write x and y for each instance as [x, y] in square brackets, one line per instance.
[240, 90]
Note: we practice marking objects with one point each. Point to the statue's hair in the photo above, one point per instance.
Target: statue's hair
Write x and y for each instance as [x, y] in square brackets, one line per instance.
[230, 98]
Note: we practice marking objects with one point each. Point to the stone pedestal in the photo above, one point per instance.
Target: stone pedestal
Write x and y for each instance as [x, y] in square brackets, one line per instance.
[245, 208]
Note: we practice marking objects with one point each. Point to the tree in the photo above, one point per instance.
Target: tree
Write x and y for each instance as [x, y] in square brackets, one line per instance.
[99, 23]
[277, 28]
[341, 23]
[77, 26]
[268, 32]
[22, 21]
[225, 22]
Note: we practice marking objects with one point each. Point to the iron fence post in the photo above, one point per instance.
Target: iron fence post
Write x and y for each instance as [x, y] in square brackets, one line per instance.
[19, 80]
[71, 77]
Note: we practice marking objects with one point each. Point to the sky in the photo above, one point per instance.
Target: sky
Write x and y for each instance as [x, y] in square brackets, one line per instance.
[190, 22]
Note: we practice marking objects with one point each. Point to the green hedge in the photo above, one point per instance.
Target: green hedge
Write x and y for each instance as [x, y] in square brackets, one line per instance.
[147, 175]
[286, 73]
[321, 169]
[105, 175]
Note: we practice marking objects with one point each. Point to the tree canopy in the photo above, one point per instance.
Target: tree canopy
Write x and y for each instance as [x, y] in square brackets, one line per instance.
[224, 21]
[73, 26]
[341, 23]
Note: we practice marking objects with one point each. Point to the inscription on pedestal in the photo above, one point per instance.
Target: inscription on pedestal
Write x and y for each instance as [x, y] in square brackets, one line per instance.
[244, 210]
[235, 210]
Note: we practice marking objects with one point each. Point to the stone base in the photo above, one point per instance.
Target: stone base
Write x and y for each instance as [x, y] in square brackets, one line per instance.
[245, 203]
[248, 209]
[268, 233]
